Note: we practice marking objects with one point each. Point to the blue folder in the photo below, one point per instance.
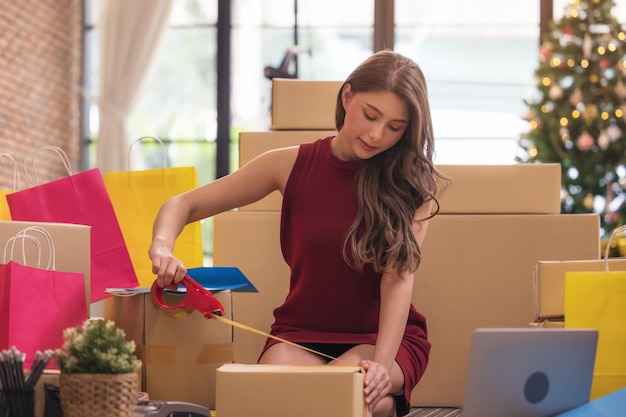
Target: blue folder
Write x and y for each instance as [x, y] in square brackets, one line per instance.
[610, 405]
[212, 278]
[219, 278]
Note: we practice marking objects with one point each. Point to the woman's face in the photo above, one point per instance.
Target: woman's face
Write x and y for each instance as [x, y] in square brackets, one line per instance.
[374, 122]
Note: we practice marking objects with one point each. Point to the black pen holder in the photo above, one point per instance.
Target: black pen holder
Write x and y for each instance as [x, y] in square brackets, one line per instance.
[14, 403]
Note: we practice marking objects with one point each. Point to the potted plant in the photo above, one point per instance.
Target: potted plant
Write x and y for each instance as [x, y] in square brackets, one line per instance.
[98, 371]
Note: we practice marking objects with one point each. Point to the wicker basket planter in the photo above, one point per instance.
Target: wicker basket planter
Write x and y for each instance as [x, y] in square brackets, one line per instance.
[98, 395]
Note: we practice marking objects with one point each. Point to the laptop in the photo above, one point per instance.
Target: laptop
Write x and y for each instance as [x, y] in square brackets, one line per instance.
[529, 372]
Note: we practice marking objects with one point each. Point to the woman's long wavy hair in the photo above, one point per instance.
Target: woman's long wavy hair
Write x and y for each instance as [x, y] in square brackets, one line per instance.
[393, 184]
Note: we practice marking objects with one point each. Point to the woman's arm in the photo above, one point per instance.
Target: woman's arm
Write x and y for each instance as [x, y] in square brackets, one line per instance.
[262, 175]
[396, 291]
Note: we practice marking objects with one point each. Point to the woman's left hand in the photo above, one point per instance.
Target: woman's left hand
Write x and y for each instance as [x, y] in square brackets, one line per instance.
[377, 382]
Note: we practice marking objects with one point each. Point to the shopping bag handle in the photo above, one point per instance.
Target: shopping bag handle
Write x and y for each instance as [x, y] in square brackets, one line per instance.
[33, 156]
[16, 178]
[154, 138]
[617, 231]
[23, 235]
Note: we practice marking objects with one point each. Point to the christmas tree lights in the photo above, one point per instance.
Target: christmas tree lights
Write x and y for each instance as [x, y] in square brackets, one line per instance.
[578, 117]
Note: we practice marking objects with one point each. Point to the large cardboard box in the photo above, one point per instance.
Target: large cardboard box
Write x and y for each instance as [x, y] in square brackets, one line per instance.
[180, 355]
[475, 189]
[287, 391]
[549, 281]
[303, 104]
[71, 245]
[498, 189]
[253, 144]
[477, 271]
[250, 241]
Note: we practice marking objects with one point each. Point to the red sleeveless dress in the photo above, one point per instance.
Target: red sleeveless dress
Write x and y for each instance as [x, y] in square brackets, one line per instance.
[328, 301]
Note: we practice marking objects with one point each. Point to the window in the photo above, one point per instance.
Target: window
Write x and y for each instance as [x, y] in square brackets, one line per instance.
[478, 56]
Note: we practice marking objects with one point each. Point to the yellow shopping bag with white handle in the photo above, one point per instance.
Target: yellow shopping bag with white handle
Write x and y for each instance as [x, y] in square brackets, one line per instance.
[598, 300]
[136, 196]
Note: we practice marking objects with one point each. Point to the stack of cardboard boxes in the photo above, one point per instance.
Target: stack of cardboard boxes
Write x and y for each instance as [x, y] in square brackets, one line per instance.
[495, 224]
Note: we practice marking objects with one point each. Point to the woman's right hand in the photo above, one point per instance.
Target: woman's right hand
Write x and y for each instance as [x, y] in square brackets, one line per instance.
[168, 268]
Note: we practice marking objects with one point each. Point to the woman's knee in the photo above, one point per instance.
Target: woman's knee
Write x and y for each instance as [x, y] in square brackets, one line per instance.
[284, 354]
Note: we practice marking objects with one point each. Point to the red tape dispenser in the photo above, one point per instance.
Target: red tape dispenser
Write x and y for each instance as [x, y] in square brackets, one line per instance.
[195, 298]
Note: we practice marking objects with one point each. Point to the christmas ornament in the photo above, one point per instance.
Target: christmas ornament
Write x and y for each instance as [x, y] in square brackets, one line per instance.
[587, 46]
[556, 92]
[585, 142]
[576, 97]
[603, 140]
[588, 202]
[613, 132]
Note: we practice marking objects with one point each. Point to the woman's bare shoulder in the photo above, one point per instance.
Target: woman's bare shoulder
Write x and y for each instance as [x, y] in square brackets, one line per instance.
[279, 157]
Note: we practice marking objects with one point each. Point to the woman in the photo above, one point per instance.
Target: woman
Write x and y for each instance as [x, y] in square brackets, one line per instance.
[355, 211]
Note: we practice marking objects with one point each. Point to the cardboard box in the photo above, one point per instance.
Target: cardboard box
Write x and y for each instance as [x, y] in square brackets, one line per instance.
[287, 391]
[253, 144]
[72, 248]
[304, 105]
[475, 189]
[477, 271]
[179, 355]
[499, 189]
[549, 281]
[250, 241]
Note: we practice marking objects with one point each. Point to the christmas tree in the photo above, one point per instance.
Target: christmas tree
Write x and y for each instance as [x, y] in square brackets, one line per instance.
[578, 118]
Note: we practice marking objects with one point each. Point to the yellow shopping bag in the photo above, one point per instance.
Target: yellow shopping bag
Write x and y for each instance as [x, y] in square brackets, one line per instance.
[598, 300]
[137, 197]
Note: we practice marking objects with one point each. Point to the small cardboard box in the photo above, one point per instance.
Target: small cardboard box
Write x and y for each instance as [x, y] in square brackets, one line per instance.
[253, 144]
[303, 104]
[477, 271]
[502, 189]
[179, 355]
[549, 282]
[287, 391]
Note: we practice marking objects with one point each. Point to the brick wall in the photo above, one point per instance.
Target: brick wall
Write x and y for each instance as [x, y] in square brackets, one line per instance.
[40, 79]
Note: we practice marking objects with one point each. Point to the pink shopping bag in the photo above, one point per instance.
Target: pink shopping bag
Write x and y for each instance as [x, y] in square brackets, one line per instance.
[81, 198]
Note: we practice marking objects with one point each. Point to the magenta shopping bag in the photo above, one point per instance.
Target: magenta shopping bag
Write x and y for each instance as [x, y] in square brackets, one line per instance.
[81, 198]
[37, 302]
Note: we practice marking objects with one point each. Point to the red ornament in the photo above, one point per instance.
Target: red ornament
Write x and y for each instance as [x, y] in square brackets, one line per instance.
[585, 142]
[605, 63]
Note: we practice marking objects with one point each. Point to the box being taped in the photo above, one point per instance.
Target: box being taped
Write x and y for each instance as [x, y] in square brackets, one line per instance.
[179, 355]
[288, 390]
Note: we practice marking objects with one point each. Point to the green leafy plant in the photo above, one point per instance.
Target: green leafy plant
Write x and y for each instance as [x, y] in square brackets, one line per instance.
[97, 347]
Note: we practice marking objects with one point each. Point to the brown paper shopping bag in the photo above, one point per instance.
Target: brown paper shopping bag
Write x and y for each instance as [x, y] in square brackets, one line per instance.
[137, 196]
[598, 300]
[72, 246]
